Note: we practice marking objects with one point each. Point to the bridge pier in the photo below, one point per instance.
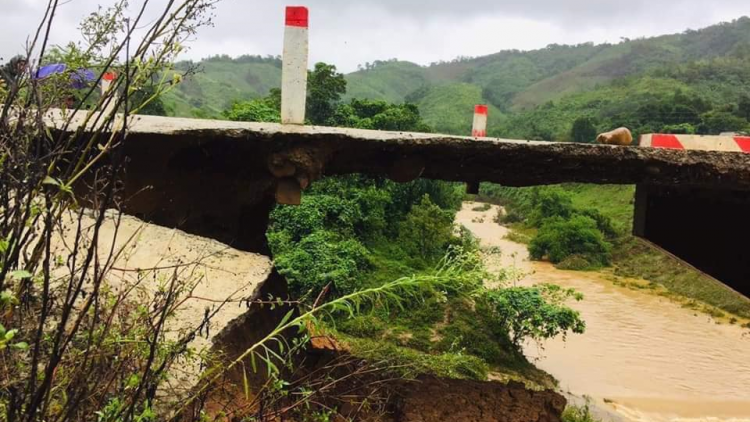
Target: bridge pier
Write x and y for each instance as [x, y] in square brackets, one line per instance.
[705, 228]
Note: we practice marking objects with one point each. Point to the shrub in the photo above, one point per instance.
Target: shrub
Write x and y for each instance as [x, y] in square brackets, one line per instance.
[409, 362]
[482, 207]
[551, 203]
[535, 313]
[512, 216]
[465, 239]
[578, 414]
[574, 262]
[427, 229]
[367, 326]
[682, 128]
[322, 258]
[583, 130]
[317, 212]
[473, 331]
[603, 223]
[253, 111]
[558, 239]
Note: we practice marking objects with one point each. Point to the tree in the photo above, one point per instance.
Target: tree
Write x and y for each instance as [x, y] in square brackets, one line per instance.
[559, 239]
[427, 229]
[550, 203]
[682, 128]
[154, 106]
[743, 107]
[583, 130]
[378, 115]
[253, 111]
[321, 258]
[325, 87]
[536, 313]
[715, 122]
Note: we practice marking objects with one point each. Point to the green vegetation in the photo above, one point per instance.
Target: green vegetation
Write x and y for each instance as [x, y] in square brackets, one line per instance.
[482, 207]
[221, 81]
[649, 103]
[355, 233]
[535, 313]
[583, 130]
[578, 414]
[385, 80]
[578, 237]
[449, 107]
[260, 110]
[569, 235]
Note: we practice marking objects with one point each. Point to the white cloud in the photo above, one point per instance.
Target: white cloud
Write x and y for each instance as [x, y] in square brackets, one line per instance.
[351, 32]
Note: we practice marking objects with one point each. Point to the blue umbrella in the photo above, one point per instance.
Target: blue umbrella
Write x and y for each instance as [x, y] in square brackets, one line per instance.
[79, 78]
[49, 70]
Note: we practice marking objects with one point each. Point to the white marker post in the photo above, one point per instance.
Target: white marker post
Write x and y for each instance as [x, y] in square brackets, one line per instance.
[107, 80]
[478, 130]
[294, 67]
[293, 94]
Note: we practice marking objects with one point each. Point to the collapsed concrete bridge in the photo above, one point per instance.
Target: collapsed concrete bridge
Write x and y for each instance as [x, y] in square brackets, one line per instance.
[220, 179]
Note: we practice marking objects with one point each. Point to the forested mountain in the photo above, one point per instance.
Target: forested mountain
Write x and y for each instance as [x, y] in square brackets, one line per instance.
[647, 84]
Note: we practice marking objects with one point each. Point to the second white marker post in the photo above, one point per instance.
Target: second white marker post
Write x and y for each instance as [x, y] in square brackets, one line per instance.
[478, 130]
[294, 66]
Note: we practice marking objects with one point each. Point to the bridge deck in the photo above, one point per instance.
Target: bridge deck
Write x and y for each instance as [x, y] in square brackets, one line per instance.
[510, 162]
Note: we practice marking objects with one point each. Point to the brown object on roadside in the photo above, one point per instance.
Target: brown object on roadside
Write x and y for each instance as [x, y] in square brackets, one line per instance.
[619, 136]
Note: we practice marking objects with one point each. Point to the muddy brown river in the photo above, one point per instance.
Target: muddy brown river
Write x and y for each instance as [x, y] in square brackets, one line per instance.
[643, 357]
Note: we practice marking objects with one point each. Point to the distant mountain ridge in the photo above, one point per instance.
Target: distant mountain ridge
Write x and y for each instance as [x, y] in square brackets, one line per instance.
[512, 82]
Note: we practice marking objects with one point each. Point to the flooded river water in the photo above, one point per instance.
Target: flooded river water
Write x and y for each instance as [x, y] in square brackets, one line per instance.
[643, 357]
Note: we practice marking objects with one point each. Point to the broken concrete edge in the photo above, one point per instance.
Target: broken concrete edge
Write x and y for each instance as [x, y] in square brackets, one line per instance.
[314, 151]
[175, 126]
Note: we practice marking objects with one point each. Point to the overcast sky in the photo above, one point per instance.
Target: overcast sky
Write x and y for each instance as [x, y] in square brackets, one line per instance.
[352, 32]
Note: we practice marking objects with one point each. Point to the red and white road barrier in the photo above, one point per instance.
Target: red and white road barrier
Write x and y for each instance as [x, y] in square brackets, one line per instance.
[294, 67]
[697, 142]
[479, 128]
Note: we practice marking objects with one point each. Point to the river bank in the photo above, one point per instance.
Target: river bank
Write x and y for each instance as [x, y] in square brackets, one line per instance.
[643, 357]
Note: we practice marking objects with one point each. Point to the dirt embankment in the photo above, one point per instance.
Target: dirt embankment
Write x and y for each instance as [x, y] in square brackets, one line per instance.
[424, 399]
[218, 273]
[432, 399]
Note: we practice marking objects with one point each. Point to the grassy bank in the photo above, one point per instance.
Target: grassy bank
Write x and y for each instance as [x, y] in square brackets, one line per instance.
[630, 257]
[354, 233]
[449, 336]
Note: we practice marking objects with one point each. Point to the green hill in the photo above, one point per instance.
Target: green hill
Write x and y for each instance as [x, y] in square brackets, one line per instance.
[219, 81]
[390, 81]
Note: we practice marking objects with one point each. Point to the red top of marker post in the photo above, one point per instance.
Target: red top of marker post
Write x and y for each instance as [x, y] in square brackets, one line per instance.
[297, 16]
[480, 109]
[109, 76]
